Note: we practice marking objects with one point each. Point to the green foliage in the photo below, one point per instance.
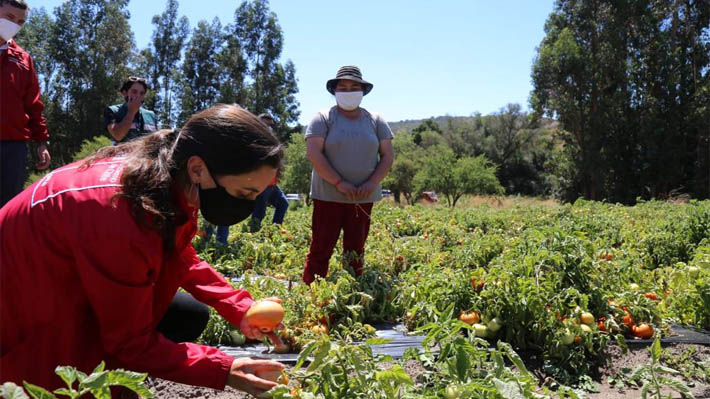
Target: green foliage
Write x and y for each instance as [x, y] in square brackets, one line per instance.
[167, 42]
[273, 85]
[629, 84]
[200, 77]
[79, 384]
[90, 146]
[453, 178]
[653, 376]
[297, 172]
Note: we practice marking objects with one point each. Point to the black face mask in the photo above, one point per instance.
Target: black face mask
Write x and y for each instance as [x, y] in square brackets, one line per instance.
[222, 209]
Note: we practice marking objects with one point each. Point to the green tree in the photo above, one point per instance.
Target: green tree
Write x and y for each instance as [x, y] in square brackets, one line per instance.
[453, 178]
[33, 38]
[167, 43]
[200, 78]
[231, 59]
[297, 172]
[628, 81]
[273, 86]
[408, 156]
[91, 46]
[428, 125]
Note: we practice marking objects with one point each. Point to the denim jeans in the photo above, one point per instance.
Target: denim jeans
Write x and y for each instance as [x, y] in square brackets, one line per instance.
[222, 233]
[271, 196]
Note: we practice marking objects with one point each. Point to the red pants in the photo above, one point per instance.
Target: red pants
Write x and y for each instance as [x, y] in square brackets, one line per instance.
[328, 219]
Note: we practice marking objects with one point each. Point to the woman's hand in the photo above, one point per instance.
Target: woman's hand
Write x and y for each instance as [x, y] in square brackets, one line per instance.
[366, 189]
[244, 375]
[254, 333]
[348, 189]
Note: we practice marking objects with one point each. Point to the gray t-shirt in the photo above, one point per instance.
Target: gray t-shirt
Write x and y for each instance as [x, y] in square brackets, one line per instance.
[353, 149]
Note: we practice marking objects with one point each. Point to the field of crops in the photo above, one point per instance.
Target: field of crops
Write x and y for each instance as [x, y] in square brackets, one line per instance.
[561, 282]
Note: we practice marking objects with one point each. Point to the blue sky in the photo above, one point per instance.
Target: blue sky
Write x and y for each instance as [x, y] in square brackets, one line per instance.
[425, 58]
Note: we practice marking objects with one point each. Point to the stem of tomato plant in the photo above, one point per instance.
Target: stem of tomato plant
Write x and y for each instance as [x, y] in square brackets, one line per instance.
[655, 383]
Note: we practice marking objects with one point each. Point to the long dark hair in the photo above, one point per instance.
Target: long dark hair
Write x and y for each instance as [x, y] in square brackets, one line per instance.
[229, 139]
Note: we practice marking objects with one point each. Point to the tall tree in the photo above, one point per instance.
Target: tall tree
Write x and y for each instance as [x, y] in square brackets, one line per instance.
[33, 38]
[92, 45]
[626, 80]
[167, 44]
[201, 74]
[272, 85]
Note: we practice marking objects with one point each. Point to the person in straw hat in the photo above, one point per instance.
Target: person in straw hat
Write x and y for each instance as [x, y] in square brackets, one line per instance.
[351, 152]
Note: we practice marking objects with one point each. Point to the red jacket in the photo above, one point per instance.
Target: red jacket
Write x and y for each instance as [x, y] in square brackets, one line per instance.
[20, 103]
[81, 282]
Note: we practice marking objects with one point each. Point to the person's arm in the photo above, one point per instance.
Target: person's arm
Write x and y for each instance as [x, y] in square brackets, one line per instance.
[381, 170]
[37, 123]
[209, 287]
[120, 129]
[314, 151]
[118, 278]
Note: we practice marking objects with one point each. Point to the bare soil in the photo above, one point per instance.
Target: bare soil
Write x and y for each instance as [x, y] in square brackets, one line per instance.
[616, 361]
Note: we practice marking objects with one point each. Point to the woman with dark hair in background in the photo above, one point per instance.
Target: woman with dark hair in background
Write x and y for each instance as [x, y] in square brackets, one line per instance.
[94, 253]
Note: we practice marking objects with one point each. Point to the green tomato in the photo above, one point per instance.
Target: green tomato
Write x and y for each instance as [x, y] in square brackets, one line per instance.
[634, 287]
[495, 324]
[237, 338]
[586, 329]
[481, 330]
[568, 337]
[451, 392]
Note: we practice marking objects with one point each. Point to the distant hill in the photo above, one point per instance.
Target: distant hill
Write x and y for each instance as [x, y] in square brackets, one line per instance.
[410, 124]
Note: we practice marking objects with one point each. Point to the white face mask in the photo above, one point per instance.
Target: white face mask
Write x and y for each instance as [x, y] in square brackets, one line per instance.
[8, 29]
[348, 100]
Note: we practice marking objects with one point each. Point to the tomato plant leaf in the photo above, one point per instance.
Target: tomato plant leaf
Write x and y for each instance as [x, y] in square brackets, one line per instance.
[10, 390]
[307, 350]
[656, 350]
[67, 374]
[99, 368]
[378, 341]
[463, 364]
[508, 390]
[320, 355]
[677, 385]
[130, 379]
[621, 341]
[38, 392]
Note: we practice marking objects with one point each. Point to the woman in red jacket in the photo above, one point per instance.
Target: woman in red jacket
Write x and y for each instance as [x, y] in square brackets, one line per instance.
[93, 254]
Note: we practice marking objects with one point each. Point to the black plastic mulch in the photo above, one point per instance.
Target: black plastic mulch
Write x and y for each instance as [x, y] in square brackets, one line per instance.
[401, 342]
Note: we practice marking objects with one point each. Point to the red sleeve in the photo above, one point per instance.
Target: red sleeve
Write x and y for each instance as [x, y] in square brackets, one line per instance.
[33, 107]
[209, 287]
[115, 275]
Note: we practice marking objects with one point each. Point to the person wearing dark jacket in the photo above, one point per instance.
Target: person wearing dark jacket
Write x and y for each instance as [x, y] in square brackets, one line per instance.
[21, 107]
[94, 253]
[130, 120]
